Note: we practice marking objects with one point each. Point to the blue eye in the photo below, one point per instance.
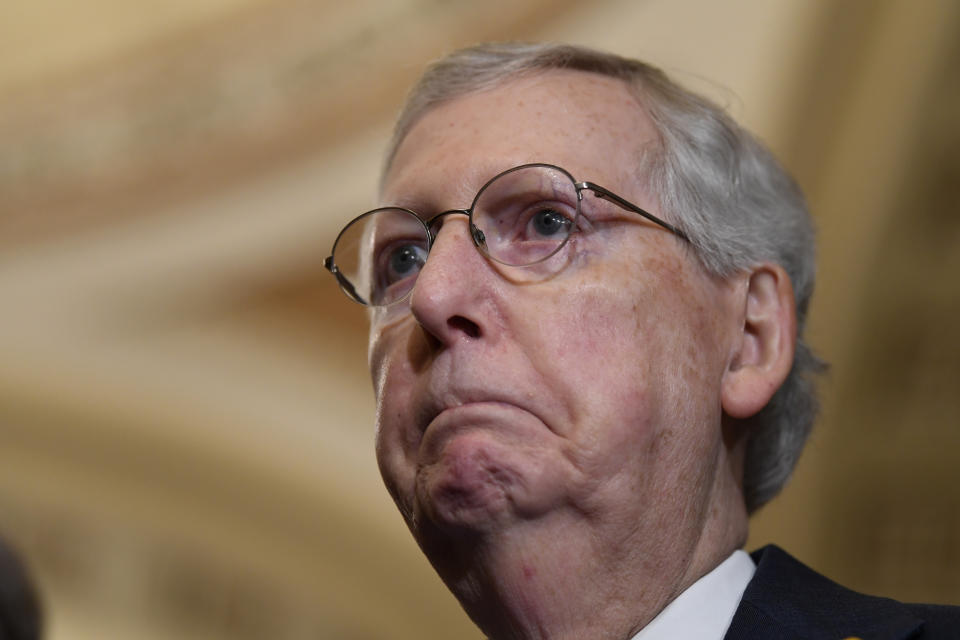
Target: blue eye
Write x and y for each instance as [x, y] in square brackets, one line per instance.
[404, 261]
[550, 222]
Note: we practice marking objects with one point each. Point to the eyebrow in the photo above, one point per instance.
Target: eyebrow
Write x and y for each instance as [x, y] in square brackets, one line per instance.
[417, 205]
[415, 199]
[426, 207]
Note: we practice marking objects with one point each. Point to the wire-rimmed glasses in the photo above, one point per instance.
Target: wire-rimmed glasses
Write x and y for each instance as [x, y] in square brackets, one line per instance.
[520, 217]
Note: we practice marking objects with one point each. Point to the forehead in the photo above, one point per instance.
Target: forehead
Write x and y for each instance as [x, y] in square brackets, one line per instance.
[591, 125]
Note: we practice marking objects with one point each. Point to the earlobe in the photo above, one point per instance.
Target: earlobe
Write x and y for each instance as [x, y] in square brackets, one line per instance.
[764, 352]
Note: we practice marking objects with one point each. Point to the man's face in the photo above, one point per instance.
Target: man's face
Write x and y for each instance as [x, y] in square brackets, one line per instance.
[578, 397]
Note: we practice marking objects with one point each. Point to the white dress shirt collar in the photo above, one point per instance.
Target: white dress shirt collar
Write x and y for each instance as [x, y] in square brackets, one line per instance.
[705, 609]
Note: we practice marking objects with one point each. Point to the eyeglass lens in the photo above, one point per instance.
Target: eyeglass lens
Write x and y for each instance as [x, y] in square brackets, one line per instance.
[522, 216]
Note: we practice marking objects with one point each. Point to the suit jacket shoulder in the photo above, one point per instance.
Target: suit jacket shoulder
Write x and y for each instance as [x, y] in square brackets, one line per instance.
[787, 600]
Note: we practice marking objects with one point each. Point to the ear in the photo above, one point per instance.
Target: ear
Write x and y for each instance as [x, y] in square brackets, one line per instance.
[763, 354]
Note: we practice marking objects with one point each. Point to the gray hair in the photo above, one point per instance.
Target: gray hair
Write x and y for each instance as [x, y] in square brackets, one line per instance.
[713, 179]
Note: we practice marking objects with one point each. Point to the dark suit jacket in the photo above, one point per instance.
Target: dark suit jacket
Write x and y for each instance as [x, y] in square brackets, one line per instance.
[788, 601]
[19, 607]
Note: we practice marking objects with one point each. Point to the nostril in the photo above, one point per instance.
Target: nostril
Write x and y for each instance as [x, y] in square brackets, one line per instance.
[469, 327]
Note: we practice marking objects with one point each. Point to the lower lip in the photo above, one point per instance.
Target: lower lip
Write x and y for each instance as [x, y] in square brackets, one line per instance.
[496, 416]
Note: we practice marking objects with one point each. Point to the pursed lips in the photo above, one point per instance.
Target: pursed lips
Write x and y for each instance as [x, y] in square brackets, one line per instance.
[472, 407]
[438, 402]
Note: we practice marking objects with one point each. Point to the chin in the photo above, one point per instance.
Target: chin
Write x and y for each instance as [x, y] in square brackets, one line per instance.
[469, 486]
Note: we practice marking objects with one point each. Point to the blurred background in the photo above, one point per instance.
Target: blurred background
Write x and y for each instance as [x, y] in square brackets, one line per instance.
[185, 415]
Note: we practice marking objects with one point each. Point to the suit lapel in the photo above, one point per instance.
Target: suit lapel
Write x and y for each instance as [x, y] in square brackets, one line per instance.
[787, 600]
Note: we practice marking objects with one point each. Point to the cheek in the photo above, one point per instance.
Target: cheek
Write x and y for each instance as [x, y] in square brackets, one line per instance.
[395, 468]
[594, 352]
[632, 346]
[597, 331]
[679, 316]
[393, 380]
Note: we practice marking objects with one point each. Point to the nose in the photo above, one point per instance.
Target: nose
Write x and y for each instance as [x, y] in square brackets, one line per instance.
[450, 299]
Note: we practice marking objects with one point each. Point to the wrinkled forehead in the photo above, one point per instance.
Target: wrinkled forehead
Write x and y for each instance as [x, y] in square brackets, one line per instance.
[592, 125]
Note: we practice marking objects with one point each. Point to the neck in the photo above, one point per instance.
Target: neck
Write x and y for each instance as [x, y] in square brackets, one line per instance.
[561, 580]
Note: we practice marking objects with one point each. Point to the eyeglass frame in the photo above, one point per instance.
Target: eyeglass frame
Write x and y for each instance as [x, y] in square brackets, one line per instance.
[476, 235]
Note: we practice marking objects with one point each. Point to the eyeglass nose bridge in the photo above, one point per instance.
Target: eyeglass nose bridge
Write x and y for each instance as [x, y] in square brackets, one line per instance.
[479, 240]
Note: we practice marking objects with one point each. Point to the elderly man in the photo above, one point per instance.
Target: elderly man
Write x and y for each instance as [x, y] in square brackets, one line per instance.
[586, 289]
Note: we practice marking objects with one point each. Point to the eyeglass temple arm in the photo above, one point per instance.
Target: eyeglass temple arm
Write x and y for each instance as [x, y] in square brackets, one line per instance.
[348, 288]
[602, 193]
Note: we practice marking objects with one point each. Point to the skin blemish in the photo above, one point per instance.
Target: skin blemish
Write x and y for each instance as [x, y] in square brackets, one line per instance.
[661, 442]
